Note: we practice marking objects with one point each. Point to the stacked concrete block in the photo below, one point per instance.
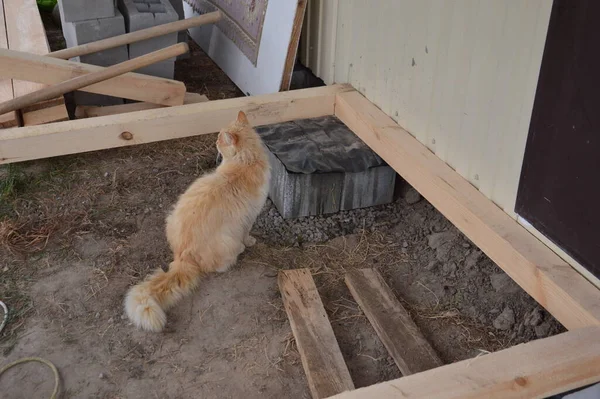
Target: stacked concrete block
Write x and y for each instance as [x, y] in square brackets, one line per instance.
[80, 10]
[181, 36]
[90, 30]
[319, 166]
[142, 14]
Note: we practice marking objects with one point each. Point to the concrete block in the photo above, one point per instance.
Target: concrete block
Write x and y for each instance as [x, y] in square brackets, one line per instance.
[319, 166]
[83, 32]
[374, 186]
[80, 10]
[297, 195]
[142, 14]
[163, 69]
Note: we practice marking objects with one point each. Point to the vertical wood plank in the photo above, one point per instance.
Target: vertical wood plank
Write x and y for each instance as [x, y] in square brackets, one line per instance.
[394, 326]
[322, 360]
[6, 86]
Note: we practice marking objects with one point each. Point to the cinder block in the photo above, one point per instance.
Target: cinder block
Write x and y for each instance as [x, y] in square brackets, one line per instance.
[81, 10]
[82, 32]
[374, 186]
[142, 14]
[298, 194]
[319, 166]
[182, 36]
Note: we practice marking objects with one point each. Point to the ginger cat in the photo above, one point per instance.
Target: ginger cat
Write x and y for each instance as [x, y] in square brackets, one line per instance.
[209, 226]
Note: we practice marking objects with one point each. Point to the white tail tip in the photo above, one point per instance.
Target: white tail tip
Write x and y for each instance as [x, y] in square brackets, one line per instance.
[143, 310]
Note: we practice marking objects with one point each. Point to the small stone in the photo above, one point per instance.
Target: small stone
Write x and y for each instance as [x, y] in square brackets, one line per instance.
[449, 269]
[110, 320]
[503, 283]
[534, 318]
[101, 376]
[472, 259]
[543, 330]
[123, 317]
[466, 245]
[404, 244]
[97, 314]
[432, 265]
[505, 320]
[411, 196]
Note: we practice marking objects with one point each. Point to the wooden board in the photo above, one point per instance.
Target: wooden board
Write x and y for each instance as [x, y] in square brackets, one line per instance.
[290, 59]
[44, 115]
[131, 85]
[91, 111]
[267, 75]
[394, 326]
[162, 124]
[537, 369]
[26, 32]
[573, 300]
[6, 86]
[322, 360]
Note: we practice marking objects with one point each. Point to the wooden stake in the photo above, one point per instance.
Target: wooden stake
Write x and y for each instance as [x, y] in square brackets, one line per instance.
[94, 77]
[137, 36]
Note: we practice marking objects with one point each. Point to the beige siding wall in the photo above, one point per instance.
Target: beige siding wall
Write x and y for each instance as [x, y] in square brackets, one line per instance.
[460, 75]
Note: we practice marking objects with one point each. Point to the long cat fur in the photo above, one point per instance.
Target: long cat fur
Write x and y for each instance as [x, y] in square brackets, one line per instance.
[209, 226]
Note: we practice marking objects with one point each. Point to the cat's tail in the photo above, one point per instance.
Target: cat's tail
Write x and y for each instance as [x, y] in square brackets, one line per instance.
[146, 302]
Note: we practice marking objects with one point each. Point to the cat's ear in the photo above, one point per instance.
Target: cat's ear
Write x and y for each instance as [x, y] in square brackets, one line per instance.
[230, 138]
[242, 118]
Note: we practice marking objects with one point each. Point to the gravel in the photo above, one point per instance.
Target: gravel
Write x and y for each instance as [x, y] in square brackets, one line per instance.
[273, 229]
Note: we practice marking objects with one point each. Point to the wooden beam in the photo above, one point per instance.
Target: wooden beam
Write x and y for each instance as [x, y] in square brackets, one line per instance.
[6, 86]
[89, 79]
[25, 32]
[91, 111]
[555, 285]
[43, 115]
[322, 360]
[137, 36]
[162, 124]
[394, 326]
[47, 70]
[290, 58]
[537, 369]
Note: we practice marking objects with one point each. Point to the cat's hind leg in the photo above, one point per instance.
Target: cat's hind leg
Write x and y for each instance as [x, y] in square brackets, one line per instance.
[230, 259]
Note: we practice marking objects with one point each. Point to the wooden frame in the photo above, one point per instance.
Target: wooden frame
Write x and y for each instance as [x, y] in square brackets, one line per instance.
[539, 368]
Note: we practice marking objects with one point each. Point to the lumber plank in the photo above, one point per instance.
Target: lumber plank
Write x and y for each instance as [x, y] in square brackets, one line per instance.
[290, 58]
[573, 300]
[25, 32]
[43, 115]
[89, 79]
[147, 126]
[48, 70]
[6, 85]
[394, 326]
[90, 111]
[537, 369]
[322, 360]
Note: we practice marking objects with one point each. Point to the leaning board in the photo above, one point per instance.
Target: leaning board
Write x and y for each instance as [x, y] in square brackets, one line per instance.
[278, 37]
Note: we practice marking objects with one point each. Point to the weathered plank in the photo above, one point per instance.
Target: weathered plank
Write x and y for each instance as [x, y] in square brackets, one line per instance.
[394, 326]
[322, 360]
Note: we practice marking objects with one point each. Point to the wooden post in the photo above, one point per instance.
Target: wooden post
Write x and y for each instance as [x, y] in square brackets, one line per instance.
[137, 36]
[94, 77]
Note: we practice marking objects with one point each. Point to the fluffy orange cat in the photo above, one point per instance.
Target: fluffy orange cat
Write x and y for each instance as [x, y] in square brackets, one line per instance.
[209, 226]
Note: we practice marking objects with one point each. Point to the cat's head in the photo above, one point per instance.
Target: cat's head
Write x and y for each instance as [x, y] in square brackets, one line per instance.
[235, 137]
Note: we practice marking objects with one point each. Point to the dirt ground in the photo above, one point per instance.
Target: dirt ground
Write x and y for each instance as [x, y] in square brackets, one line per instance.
[77, 231]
